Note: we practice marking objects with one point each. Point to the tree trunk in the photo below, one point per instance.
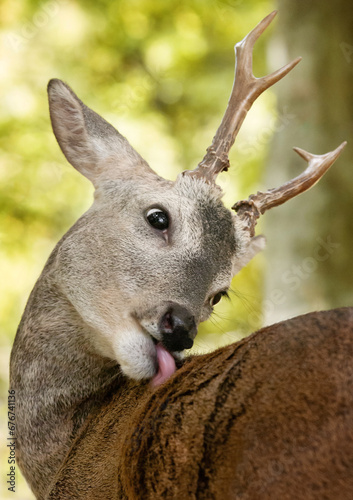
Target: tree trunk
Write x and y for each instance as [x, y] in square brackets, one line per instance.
[310, 239]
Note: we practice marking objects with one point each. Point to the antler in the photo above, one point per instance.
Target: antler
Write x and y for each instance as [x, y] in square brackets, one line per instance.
[246, 88]
[257, 204]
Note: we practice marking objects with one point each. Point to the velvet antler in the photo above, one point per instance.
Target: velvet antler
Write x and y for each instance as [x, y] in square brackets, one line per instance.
[246, 89]
[257, 204]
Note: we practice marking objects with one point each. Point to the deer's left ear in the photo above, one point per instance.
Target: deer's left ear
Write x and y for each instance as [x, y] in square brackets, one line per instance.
[256, 245]
[93, 146]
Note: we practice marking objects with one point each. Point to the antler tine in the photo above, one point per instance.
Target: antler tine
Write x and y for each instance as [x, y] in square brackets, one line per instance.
[257, 204]
[246, 88]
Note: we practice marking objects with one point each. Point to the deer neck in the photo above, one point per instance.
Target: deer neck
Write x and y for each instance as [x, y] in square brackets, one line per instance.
[59, 380]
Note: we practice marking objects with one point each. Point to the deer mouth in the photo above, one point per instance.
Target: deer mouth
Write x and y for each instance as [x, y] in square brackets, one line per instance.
[165, 361]
[166, 366]
[171, 334]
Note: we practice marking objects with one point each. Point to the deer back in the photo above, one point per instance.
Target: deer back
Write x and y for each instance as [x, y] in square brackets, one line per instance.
[269, 417]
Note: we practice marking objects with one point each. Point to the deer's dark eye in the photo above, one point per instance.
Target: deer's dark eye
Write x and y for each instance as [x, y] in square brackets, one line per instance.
[216, 298]
[158, 218]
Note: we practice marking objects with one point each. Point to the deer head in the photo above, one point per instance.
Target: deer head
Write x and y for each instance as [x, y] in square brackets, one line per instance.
[145, 265]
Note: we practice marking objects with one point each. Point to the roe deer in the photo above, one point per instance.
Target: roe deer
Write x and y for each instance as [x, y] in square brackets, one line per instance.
[121, 298]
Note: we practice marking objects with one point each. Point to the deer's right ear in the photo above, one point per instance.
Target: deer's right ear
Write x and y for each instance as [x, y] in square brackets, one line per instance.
[93, 146]
[256, 245]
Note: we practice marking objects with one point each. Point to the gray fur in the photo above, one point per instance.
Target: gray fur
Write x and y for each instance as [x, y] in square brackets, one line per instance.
[93, 312]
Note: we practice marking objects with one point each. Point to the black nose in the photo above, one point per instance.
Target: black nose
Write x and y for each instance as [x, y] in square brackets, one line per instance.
[178, 328]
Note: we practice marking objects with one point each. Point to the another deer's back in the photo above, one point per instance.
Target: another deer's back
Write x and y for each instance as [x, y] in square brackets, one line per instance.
[267, 418]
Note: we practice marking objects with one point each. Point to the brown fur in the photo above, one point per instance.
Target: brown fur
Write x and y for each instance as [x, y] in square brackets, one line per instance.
[267, 418]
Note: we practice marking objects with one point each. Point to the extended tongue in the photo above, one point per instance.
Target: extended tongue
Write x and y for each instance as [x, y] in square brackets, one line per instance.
[166, 366]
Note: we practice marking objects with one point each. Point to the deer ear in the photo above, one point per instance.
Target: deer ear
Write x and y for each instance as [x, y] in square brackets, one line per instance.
[93, 146]
[256, 245]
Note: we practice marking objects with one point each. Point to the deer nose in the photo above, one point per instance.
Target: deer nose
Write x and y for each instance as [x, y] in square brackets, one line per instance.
[178, 328]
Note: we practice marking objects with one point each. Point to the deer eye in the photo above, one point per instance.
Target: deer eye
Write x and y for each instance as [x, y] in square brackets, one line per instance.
[157, 218]
[216, 298]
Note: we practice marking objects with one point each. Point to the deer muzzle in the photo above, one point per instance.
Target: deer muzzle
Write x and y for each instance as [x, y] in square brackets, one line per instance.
[178, 328]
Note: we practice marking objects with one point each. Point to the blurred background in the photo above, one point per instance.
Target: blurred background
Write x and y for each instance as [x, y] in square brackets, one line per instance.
[161, 72]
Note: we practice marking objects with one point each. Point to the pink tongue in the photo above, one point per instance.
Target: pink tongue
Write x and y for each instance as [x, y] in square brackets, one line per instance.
[166, 366]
